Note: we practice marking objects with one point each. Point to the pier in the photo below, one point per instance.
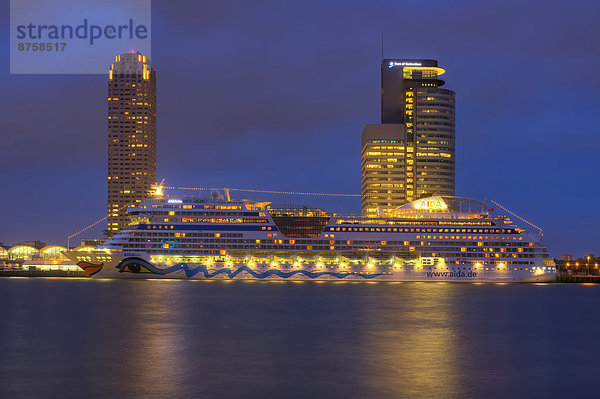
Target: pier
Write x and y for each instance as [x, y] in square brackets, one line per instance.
[576, 278]
[42, 273]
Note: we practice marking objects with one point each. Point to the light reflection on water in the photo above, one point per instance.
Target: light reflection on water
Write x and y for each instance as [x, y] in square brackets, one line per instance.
[415, 353]
[121, 338]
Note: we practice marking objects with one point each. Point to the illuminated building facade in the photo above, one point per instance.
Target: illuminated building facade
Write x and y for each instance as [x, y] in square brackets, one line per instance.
[411, 154]
[383, 168]
[131, 135]
[36, 256]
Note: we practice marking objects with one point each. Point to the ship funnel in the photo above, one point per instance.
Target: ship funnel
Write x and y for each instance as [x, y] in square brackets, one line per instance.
[215, 195]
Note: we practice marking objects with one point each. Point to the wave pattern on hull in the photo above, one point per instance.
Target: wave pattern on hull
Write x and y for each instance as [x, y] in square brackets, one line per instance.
[193, 271]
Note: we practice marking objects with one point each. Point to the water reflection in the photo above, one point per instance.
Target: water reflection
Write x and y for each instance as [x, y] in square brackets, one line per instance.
[116, 338]
[152, 344]
[416, 349]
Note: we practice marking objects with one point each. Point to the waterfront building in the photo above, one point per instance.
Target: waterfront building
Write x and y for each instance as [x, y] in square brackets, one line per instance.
[411, 154]
[50, 265]
[131, 135]
[566, 257]
[94, 242]
[382, 168]
[36, 244]
[38, 251]
[23, 252]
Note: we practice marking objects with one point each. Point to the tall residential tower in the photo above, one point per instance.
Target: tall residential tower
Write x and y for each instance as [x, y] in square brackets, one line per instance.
[410, 155]
[131, 135]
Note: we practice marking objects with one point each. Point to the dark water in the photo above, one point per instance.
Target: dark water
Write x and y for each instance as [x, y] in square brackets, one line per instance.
[178, 339]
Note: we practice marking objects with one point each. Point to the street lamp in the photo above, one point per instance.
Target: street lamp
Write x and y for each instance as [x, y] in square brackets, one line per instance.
[588, 265]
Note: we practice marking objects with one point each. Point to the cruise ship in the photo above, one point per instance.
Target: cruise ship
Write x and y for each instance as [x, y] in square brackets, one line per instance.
[438, 238]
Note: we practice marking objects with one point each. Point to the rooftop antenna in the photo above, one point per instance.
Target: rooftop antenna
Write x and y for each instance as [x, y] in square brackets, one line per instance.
[382, 47]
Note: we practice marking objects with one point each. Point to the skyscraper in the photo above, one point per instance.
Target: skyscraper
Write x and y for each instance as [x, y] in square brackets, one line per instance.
[410, 155]
[131, 135]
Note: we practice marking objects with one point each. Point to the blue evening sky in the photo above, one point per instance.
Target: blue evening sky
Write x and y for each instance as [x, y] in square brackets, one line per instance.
[275, 94]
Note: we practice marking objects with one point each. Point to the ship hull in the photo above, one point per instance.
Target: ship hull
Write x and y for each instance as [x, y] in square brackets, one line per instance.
[139, 265]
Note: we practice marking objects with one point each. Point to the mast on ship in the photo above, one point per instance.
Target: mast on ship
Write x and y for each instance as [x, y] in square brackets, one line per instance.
[156, 190]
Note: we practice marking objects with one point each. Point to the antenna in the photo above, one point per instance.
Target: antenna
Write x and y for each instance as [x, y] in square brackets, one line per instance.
[382, 47]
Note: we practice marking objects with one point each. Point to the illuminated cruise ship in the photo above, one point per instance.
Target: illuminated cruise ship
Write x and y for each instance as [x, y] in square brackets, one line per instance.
[433, 239]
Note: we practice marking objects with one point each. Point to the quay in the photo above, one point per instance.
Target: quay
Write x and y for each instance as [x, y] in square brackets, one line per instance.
[42, 273]
[576, 278]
